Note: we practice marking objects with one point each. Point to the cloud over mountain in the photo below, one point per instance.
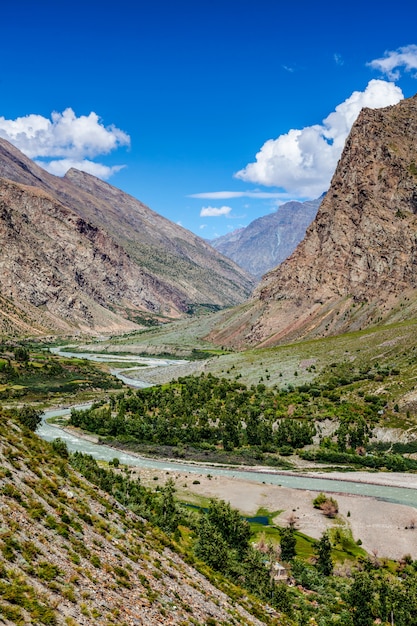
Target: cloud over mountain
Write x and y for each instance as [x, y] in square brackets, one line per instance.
[210, 211]
[303, 161]
[65, 141]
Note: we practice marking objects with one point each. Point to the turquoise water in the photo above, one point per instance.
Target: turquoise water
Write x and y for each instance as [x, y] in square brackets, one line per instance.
[399, 495]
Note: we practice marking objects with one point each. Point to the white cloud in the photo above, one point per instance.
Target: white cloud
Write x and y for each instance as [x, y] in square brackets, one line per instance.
[303, 161]
[60, 167]
[210, 211]
[338, 59]
[66, 137]
[393, 60]
[225, 195]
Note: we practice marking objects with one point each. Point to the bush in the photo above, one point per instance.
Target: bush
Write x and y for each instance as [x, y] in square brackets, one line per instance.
[29, 417]
[60, 447]
[328, 505]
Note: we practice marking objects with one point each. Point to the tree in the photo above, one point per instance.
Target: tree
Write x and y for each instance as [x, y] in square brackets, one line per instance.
[211, 546]
[167, 510]
[324, 555]
[228, 522]
[29, 417]
[360, 599]
[288, 542]
[60, 447]
[21, 354]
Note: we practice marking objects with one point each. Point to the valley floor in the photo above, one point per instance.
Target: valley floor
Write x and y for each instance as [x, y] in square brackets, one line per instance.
[385, 529]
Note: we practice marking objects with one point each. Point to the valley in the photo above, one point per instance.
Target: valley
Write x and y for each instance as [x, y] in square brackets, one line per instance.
[210, 451]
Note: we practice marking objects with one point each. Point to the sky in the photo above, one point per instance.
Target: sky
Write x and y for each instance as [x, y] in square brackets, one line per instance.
[212, 113]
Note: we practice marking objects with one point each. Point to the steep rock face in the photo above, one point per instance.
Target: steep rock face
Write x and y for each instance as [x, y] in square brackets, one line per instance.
[77, 253]
[270, 239]
[358, 260]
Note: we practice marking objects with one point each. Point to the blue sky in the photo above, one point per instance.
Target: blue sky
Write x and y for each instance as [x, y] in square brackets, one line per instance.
[211, 113]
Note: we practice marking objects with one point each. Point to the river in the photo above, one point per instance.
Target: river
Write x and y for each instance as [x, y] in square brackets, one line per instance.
[399, 495]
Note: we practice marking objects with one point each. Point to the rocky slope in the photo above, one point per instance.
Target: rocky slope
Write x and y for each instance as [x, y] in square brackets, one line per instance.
[270, 239]
[70, 554]
[79, 254]
[357, 263]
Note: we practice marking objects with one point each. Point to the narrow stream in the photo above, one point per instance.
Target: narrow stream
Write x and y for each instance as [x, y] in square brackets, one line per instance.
[399, 495]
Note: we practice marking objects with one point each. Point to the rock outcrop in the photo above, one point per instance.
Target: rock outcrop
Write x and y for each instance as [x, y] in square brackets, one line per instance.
[357, 264]
[269, 240]
[77, 254]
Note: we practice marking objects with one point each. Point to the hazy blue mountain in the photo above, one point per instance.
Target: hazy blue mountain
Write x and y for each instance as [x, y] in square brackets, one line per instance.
[270, 239]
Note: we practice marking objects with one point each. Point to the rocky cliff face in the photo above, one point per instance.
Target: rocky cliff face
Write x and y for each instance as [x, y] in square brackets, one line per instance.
[270, 239]
[357, 264]
[79, 254]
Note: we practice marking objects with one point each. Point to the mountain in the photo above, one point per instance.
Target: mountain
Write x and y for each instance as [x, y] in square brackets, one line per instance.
[270, 239]
[71, 554]
[357, 264]
[77, 254]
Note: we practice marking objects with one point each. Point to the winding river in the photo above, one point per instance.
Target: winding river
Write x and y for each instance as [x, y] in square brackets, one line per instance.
[399, 495]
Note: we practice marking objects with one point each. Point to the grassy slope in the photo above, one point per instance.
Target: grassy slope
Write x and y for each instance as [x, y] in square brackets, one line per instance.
[392, 346]
[69, 554]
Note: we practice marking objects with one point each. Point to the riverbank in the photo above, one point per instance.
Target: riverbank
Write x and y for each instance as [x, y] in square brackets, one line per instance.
[384, 528]
[387, 479]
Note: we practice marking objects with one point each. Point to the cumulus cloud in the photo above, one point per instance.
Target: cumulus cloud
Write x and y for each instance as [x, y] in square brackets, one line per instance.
[303, 161]
[394, 60]
[210, 211]
[65, 139]
[60, 167]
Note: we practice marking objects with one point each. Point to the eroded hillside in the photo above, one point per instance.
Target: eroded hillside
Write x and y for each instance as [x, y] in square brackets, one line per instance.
[77, 254]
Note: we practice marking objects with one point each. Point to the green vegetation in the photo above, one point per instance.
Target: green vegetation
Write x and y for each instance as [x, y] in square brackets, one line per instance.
[29, 373]
[320, 400]
[218, 419]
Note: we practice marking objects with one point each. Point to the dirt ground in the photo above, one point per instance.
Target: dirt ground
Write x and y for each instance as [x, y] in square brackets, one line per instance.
[385, 529]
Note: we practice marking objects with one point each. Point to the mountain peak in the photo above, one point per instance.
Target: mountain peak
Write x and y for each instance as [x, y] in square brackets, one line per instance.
[270, 239]
[83, 255]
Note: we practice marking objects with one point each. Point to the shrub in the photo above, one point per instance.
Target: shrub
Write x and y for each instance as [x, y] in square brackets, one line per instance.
[29, 417]
[328, 505]
[60, 447]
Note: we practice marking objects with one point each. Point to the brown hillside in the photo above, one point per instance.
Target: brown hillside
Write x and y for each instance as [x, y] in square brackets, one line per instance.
[71, 554]
[79, 254]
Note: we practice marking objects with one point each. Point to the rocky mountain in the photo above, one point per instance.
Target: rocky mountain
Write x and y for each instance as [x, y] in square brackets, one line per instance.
[71, 554]
[77, 254]
[357, 264]
[270, 239]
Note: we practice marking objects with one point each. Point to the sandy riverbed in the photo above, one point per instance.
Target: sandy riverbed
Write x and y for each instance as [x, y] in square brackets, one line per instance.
[385, 529]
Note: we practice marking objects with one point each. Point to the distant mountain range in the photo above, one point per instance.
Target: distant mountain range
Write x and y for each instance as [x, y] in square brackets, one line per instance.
[357, 264]
[77, 254]
[270, 239]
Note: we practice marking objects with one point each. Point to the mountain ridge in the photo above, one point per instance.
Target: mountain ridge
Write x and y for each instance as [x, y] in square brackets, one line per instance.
[270, 239]
[151, 269]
